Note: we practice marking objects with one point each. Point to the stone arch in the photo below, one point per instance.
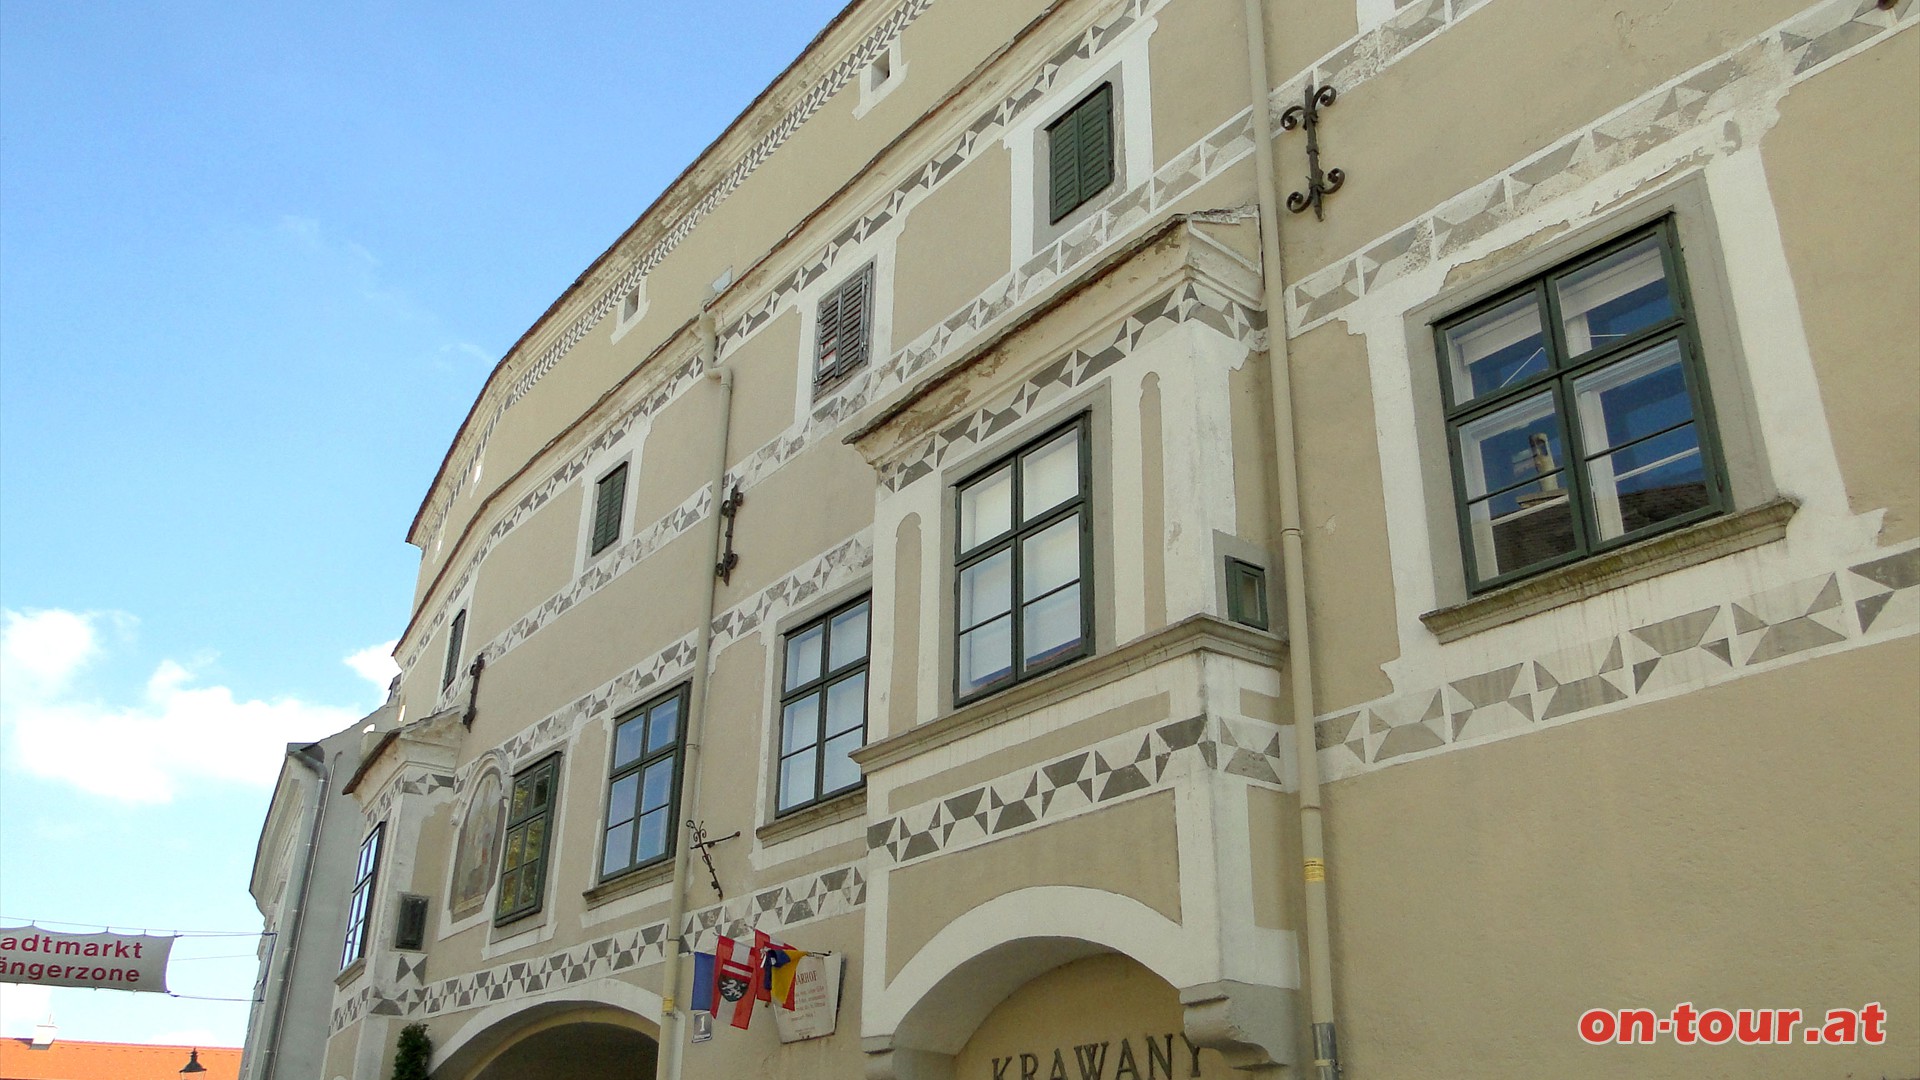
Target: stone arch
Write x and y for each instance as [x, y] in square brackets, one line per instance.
[932, 1007]
[494, 1031]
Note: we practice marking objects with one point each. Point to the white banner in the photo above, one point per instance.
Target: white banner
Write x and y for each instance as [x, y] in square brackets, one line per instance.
[29, 954]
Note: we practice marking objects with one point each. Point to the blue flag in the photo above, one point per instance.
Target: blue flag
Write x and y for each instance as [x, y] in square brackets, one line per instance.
[702, 1000]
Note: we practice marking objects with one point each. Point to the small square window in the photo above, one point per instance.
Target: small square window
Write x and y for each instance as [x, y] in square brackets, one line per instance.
[823, 707]
[844, 329]
[1247, 594]
[1577, 411]
[1024, 564]
[609, 500]
[523, 860]
[1080, 153]
[643, 786]
[411, 933]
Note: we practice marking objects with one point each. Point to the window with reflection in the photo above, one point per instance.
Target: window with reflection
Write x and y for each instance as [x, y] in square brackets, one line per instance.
[523, 857]
[1577, 413]
[1024, 556]
[823, 707]
[643, 790]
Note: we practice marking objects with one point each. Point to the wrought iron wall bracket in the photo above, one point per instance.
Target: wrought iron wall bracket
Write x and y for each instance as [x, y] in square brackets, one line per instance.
[704, 845]
[1319, 184]
[729, 509]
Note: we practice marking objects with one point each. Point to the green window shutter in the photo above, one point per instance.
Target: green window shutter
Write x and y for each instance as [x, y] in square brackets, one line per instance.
[610, 498]
[1063, 176]
[454, 633]
[1096, 143]
[827, 356]
[1080, 153]
[855, 299]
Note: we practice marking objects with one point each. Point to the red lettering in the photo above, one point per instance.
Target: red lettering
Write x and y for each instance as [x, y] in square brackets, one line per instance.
[1843, 1027]
[1716, 1026]
[1597, 1026]
[1683, 1017]
[1874, 1019]
[1783, 1022]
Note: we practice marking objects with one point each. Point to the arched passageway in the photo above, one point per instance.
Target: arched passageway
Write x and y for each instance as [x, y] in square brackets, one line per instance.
[584, 1050]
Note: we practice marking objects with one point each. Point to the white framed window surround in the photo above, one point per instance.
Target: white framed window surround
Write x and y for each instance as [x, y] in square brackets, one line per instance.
[629, 310]
[1125, 68]
[879, 79]
[623, 455]
[877, 255]
[1724, 357]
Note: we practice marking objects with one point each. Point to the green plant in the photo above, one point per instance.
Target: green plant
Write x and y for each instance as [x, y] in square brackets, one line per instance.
[411, 1053]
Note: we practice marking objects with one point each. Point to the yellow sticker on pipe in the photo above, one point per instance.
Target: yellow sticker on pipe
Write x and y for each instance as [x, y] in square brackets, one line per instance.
[1316, 870]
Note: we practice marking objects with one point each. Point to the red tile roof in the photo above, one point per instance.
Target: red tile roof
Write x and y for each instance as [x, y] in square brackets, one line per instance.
[68, 1059]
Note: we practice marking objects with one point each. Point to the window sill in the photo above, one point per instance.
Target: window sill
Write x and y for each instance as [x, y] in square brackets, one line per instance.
[1194, 633]
[1695, 544]
[350, 973]
[631, 882]
[843, 807]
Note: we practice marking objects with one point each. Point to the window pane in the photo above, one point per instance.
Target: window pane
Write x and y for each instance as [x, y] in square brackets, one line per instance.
[617, 853]
[986, 589]
[653, 836]
[509, 890]
[1050, 475]
[663, 723]
[840, 771]
[529, 890]
[1519, 445]
[800, 723]
[1500, 348]
[536, 834]
[847, 704]
[849, 637]
[796, 779]
[1620, 295]
[621, 800]
[1509, 535]
[1648, 482]
[626, 741]
[1052, 626]
[522, 790]
[1633, 398]
[986, 654]
[986, 509]
[804, 655]
[1050, 558]
[658, 790]
[542, 789]
[515, 840]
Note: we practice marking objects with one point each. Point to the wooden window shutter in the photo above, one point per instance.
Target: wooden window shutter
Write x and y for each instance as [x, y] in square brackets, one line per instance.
[845, 322]
[1080, 153]
[829, 334]
[610, 498]
[457, 631]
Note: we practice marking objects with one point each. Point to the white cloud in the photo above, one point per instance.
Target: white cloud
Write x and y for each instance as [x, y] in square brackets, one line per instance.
[176, 735]
[375, 664]
[22, 1007]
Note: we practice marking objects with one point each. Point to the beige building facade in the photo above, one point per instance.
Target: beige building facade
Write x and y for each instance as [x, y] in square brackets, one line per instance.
[909, 501]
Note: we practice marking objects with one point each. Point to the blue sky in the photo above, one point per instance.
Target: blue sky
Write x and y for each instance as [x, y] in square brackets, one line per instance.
[255, 261]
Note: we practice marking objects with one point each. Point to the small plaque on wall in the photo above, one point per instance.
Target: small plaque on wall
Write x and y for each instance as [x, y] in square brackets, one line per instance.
[816, 999]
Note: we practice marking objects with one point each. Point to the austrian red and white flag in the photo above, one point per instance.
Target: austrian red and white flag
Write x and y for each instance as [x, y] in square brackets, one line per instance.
[736, 973]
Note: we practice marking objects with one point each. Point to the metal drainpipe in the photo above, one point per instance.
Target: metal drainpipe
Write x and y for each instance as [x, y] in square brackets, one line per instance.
[1326, 1055]
[289, 939]
[673, 1017]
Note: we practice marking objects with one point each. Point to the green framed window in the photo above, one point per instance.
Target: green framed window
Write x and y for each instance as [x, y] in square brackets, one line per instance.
[823, 707]
[1247, 594]
[523, 861]
[360, 903]
[1577, 412]
[844, 330]
[643, 788]
[1024, 562]
[1080, 153]
[456, 633]
[609, 499]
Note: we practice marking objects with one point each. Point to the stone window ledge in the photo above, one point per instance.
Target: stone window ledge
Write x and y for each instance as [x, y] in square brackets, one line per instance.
[351, 972]
[629, 883]
[839, 808]
[1695, 544]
